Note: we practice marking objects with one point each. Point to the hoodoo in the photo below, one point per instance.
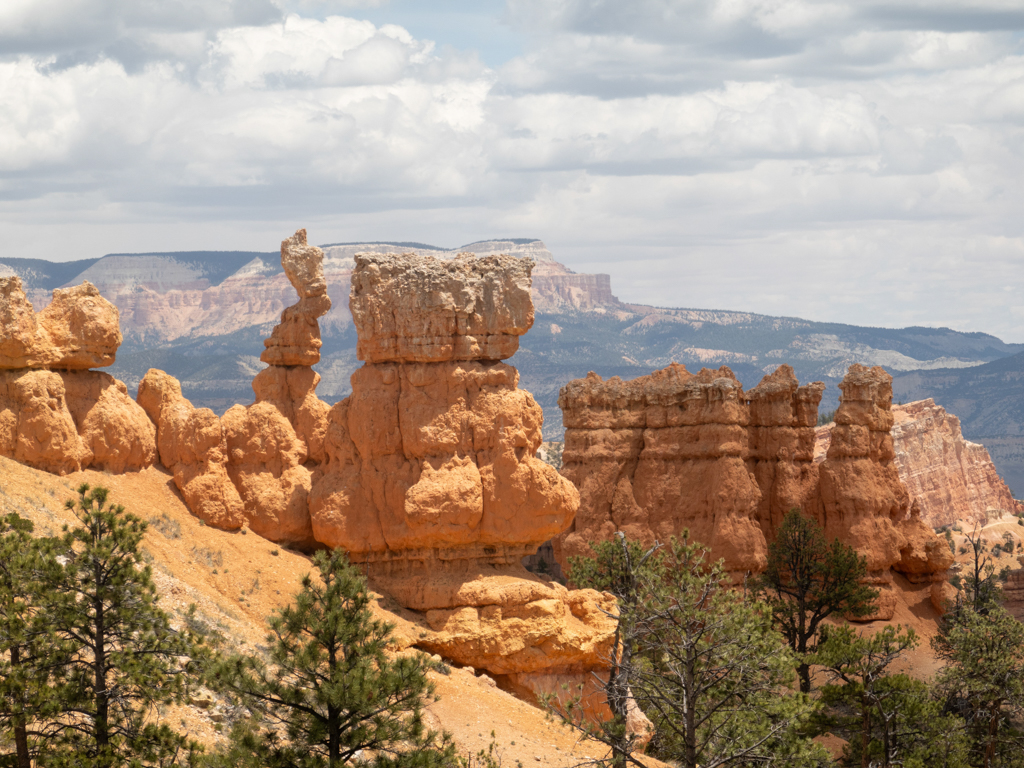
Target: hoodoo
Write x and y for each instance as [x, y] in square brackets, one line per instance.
[431, 478]
[251, 466]
[950, 478]
[55, 413]
[426, 474]
[677, 450]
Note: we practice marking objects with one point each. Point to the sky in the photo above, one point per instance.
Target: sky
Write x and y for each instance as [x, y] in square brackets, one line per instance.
[857, 161]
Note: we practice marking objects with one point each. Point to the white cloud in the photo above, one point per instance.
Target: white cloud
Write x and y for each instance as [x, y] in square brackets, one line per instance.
[852, 161]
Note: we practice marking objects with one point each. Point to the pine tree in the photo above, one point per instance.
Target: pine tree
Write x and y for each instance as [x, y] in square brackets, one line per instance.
[891, 719]
[331, 694]
[29, 651]
[707, 668]
[622, 568]
[127, 658]
[984, 679]
[806, 581]
[980, 582]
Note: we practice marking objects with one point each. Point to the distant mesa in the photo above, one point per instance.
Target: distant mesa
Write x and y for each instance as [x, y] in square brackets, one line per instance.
[168, 296]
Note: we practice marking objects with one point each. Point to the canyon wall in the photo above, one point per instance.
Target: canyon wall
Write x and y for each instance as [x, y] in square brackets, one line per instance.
[949, 478]
[677, 450]
[163, 297]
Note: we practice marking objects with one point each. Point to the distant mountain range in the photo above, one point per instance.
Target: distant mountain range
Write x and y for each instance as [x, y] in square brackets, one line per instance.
[202, 317]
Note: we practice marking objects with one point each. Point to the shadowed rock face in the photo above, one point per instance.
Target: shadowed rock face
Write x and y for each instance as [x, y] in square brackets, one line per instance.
[55, 414]
[677, 450]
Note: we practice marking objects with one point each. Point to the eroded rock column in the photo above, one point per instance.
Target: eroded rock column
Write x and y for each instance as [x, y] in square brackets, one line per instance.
[431, 479]
[55, 413]
[255, 465]
[661, 453]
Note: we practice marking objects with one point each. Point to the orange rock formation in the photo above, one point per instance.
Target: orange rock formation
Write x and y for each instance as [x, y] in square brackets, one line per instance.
[431, 477]
[77, 331]
[950, 479]
[251, 465]
[55, 414]
[427, 473]
[677, 450]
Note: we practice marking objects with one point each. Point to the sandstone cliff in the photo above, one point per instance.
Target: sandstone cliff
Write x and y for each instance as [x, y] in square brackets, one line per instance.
[677, 450]
[950, 479]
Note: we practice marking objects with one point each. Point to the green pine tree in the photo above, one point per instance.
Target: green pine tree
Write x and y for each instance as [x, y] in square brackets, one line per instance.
[30, 653]
[127, 657]
[891, 719]
[331, 695]
[984, 679]
[806, 581]
[706, 667]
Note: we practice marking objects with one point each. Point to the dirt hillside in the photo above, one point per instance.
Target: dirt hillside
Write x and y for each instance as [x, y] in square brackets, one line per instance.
[237, 579]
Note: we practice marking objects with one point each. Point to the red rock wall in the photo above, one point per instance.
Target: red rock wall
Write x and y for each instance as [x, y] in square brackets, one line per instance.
[950, 479]
[677, 450]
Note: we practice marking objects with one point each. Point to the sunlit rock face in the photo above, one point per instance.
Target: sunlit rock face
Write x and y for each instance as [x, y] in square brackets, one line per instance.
[55, 413]
[431, 479]
[254, 466]
[676, 450]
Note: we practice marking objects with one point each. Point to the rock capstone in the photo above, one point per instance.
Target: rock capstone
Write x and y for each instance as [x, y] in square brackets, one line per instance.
[77, 331]
[414, 309]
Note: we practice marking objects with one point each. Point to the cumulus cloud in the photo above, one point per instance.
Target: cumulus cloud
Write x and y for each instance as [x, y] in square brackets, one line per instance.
[852, 161]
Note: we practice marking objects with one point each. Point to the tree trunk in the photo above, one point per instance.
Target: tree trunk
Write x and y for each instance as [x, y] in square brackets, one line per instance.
[803, 671]
[20, 727]
[993, 729]
[333, 715]
[865, 731]
[689, 716]
[102, 724]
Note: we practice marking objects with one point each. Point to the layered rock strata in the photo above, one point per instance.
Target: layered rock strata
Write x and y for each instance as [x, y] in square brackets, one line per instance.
[431, 479]
[677, 450]
[950, 479]
[55, 414]
[255, 465]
